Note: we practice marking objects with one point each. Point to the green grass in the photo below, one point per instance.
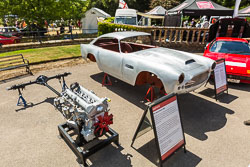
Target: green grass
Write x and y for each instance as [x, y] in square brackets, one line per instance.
[48, 53]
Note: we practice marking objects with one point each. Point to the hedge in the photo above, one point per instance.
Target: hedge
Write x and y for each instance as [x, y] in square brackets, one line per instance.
[104, 27]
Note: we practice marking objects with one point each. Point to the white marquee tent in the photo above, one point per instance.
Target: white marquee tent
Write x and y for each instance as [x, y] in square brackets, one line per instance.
[89, 22]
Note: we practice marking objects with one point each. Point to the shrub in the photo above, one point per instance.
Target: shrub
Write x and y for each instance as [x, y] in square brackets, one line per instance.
[105, 27]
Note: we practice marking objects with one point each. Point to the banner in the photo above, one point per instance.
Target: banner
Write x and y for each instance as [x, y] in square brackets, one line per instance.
[205, 5]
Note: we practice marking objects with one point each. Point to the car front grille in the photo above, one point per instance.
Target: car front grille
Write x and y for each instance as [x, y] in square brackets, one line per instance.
[197, 80]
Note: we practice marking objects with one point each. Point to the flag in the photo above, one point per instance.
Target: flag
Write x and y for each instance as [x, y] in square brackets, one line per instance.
[236, 8]
[123, 4]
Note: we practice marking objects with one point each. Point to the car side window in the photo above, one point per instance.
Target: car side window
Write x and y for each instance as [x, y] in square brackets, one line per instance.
[108, 44]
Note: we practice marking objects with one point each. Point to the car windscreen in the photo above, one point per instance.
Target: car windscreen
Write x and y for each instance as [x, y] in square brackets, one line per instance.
[126, 20]
[232, 47]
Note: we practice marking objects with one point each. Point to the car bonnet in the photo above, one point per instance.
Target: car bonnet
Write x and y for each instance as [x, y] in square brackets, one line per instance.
[170, 57]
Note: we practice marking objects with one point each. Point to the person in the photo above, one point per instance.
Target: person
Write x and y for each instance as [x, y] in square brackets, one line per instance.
[62, 29]
[70, 28]
[247, 122]
[198, 25]
[185, 24]
[205, 24]
[193, 23]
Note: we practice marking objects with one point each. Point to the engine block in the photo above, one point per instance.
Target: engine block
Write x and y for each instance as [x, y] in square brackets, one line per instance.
[85, 112]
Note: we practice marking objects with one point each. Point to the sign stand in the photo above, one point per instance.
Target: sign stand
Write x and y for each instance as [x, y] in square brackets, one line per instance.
[167, 125]
[220, 78]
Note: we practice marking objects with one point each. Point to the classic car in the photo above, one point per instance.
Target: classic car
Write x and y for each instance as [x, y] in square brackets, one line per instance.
[10, 31]
[236, 52]
[131, 57]
[5, 39]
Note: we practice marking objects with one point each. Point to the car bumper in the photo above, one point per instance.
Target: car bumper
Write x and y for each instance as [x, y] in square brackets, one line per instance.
[239, 77]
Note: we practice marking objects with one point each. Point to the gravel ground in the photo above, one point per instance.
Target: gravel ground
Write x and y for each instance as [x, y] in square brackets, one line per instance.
[214, 131]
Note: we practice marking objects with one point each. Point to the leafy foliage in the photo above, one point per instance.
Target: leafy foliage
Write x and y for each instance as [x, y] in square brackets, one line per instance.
[37, 11]
[104, 27]
[165, 4]
[50, 10]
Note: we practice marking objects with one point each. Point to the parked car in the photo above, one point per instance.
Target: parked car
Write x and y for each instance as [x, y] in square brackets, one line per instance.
[10, 31]
[236, 52]
[131, 57]
[5, 39]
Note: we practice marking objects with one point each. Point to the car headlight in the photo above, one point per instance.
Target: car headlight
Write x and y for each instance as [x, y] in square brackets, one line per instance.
[181, 78]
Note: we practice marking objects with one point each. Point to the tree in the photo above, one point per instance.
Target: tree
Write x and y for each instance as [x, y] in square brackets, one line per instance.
[37, 11]
[165, 4]
[110, 6]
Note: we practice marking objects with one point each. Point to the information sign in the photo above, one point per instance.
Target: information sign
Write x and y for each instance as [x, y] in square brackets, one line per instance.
[167, 126]
[220, 77]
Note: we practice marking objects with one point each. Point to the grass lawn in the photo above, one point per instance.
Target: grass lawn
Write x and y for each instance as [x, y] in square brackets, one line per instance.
[48, 53]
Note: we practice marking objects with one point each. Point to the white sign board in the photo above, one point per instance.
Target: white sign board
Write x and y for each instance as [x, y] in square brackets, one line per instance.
[168, 126]
[220, 77]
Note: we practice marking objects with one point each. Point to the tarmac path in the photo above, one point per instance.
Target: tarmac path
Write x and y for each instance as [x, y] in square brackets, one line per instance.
[214, 130]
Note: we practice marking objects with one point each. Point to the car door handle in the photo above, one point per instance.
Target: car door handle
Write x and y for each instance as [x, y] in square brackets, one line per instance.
[129, 66]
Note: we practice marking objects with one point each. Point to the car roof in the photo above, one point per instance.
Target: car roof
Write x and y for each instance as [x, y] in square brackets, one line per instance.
[124, 34]
[231, 39]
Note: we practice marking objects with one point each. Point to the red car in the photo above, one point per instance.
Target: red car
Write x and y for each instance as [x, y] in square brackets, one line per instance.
[4, 39]
[236, 52]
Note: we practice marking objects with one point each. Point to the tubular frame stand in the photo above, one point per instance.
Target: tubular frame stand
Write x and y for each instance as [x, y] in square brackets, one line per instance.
[84, 154]
[151, 93]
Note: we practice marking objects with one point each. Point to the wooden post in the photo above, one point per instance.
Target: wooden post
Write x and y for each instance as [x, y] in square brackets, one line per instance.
[160, 36]
[187, 36]
[199, 35]
[181, 36]
[193, 35]
[170, 36]
[154, 34]
[204, 36]
[176, 35]
[165, 35]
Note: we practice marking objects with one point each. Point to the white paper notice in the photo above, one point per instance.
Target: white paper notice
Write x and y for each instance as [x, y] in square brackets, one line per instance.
[168, 126]
[220, 77]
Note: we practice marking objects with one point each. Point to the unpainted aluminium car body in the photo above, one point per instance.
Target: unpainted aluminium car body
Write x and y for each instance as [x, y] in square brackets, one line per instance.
[177, 71]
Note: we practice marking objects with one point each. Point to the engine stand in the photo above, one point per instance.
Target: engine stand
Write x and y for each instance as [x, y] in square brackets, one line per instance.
[106, 80]
[93, 146]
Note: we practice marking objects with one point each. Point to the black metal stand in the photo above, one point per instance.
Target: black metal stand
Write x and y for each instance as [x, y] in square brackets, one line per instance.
[84, 153]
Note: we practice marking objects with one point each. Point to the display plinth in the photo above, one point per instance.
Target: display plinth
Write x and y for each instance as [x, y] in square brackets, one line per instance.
[83, 154]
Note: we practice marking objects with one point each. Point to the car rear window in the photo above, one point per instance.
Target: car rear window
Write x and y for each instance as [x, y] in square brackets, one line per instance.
[230, 47]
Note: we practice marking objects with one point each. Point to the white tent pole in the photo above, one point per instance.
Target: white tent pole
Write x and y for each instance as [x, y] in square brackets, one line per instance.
[236, 8]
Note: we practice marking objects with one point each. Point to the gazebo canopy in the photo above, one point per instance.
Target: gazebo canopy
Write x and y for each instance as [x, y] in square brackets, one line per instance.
[158, 10]
[199, 8]
[245, 12]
